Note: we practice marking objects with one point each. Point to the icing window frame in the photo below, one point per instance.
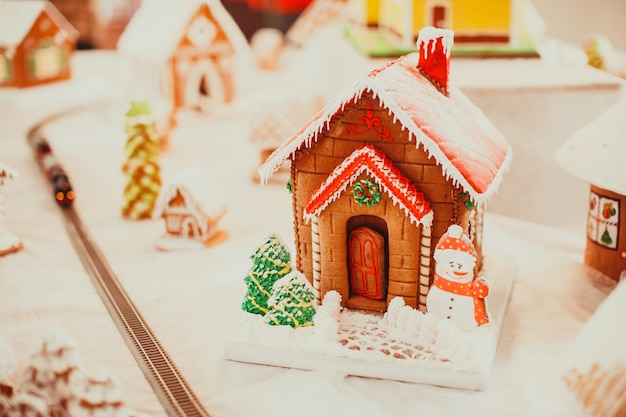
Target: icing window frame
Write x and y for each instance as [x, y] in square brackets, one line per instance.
[603, 220]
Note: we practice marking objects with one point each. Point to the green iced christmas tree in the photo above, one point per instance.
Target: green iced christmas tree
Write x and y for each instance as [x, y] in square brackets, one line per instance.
[271, 262]
[291, 303]
[606, 237]
[142, 169]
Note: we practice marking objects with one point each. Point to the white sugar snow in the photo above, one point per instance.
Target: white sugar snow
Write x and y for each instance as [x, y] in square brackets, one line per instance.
[424, 339]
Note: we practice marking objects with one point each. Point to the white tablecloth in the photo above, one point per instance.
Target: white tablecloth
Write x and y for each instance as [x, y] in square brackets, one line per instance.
[192, 299]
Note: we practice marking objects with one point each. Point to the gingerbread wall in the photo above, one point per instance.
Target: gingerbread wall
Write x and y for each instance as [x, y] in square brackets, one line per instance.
[347, 131]
[607, 257]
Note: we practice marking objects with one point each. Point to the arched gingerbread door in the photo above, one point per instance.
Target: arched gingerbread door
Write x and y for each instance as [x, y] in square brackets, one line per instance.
[366, 254]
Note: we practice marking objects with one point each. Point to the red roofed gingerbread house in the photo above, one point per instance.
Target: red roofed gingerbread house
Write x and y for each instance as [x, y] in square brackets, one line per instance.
[380, 174]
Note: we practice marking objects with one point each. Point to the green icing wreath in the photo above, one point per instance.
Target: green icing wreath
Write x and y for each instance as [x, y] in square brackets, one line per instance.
[366, 193]
[467, 200]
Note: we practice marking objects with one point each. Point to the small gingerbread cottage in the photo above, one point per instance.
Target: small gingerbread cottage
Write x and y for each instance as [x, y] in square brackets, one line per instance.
[595, 154]
[380, 173]
[190, 206]
[36, 43]
[187, 52]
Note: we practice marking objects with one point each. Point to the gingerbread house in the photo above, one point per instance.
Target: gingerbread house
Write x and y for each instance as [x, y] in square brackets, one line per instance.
[36, 43]
[380, 174]
[594, 154]
[191, 207]
[186, 52]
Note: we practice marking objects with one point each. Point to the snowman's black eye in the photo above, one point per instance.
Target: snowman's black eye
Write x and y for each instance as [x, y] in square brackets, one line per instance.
[452, 264]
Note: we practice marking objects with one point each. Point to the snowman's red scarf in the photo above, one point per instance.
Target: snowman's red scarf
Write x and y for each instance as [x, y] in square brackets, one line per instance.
[477, 289]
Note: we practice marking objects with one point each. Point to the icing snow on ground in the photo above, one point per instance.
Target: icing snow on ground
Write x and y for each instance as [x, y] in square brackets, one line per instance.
[402, 335]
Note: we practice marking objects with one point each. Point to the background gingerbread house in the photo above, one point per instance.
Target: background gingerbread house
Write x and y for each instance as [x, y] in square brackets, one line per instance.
[36, 43]
[595, 154]
[401, 156]
[190, 205]
[186, 52]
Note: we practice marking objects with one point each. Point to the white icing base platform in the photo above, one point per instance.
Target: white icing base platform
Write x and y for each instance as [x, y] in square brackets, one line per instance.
[402, 345]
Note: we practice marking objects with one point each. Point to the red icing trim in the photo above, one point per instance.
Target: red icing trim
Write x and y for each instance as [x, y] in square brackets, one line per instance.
[372, 123]
[385, 173]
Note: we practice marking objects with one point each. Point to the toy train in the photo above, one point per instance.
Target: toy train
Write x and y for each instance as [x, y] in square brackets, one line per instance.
[61, 187]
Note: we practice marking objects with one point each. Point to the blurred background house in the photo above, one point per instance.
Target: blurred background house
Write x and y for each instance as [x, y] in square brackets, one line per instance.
[100, 22]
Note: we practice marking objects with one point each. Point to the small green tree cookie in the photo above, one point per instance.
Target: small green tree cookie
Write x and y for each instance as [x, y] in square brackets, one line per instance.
[291, 303]
[271, 262]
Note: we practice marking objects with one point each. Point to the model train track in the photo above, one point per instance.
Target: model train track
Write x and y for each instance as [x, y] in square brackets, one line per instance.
[171, 389]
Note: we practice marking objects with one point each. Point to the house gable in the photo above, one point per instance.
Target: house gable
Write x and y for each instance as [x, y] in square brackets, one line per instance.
[373, 161]
[45, 51]
[19, 19]
[204, 32]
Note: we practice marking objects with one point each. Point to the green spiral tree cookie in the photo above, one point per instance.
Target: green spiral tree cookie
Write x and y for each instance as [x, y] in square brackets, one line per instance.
[291, 303]
[142, 170]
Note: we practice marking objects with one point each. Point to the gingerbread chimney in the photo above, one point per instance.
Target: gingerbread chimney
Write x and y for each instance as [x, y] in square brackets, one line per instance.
[434, 62]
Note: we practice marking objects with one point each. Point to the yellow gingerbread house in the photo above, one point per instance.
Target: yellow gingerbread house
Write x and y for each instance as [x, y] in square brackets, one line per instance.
[474, 22]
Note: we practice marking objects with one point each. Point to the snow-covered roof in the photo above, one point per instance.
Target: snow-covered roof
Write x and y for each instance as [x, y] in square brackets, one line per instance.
[469, 148]
[6, 171]
[200, 191]
[596, 152]
[157, 27]
[368, 158]
[18, 16]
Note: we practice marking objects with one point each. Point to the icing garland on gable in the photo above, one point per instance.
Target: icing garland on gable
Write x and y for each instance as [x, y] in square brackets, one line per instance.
[369, 159]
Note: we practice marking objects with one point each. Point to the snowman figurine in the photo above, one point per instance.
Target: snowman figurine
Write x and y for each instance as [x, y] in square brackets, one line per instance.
[456, 294]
